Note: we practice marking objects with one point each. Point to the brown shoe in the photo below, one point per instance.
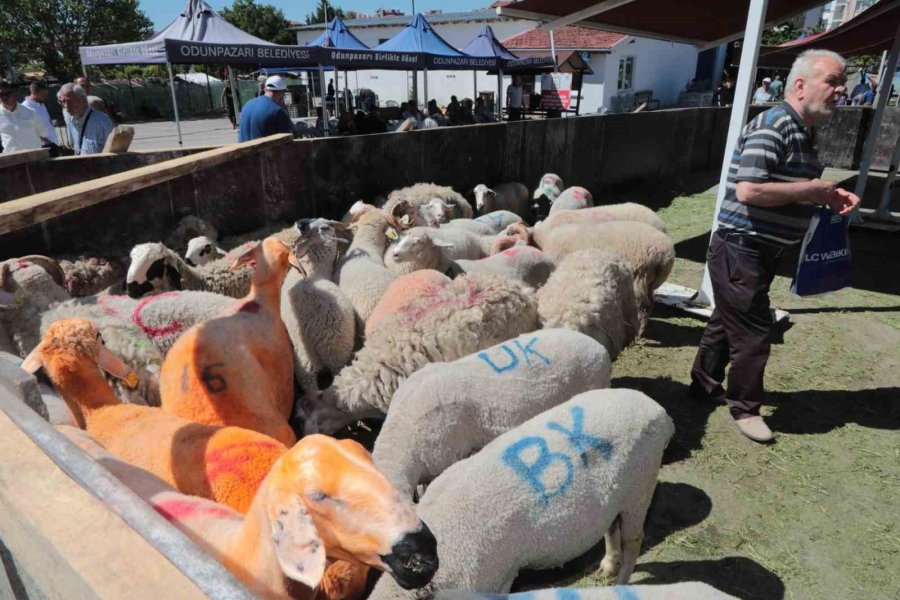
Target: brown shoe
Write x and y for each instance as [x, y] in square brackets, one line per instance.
[755, 428]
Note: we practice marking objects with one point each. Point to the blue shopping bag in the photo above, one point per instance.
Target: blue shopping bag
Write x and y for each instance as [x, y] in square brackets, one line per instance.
[824, 264]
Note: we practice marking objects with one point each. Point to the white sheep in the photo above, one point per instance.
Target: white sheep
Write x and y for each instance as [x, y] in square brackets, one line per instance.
[188, 228]
[355, 210]
[546, 492]
[573, 198]
[446, 412]
[421, 193]
[28, 286]
[592, 292]
[691, 590]
[627, 211]
[361, 274]
[319, 318]
[155, 268]
[89, 275]
[491, 223]
[474, 225]
[444, 324]
[202, 250]
[526, 264]
[511, 196]
[647, 251]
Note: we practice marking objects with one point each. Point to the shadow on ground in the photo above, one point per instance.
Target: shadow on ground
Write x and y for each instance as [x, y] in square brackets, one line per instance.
[815, 411]
[653, 197]
[735, 575]
[675, 506]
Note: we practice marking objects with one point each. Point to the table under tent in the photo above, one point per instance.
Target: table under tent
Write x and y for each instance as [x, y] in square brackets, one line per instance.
[198, 22]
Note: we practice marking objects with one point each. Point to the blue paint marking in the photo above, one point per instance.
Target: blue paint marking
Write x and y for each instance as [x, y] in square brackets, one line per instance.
[532, 473]
[624, 593]
[582, 442]
[513, 360]
[529, 350]
[498, 221]
[567, 594]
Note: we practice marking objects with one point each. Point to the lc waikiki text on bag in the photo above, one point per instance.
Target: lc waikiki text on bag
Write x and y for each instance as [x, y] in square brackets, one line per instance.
[824, 264]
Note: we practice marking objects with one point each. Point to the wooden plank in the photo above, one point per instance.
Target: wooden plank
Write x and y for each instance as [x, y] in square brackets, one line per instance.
[23, 156]
[119, 140]
[38, 208]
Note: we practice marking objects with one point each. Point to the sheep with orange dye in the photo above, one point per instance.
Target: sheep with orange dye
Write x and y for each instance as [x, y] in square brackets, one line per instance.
[402, 291]
[238, 368]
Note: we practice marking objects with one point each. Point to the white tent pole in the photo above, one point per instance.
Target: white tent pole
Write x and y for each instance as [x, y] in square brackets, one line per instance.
[884, 56]
[884, 205]
[234, 95]
[337, 92]
[174, 102]
[498, 104]
[553, 51]
[875, 126]
[756, 17]
[425, 80]
[324, 104]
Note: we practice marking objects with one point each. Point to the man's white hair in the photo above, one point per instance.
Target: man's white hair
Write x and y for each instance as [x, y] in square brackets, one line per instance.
[803, 65]
[72, 87]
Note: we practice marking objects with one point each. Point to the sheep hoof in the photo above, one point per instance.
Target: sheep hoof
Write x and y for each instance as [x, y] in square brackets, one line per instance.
[609, 567]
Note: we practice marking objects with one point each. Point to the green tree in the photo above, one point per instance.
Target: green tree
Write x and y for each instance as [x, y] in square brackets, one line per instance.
[262, 20]
[50, 31]
[781, 34]
[324, 12]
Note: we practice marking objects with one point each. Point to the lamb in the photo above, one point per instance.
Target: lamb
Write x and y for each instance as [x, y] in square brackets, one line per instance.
[592, 292]
[548, 189]
[511, 196]
[190, 227]
[691, 590]
[627, 211]
[237, 369]
[573, 198]
[28, 286]
[361, 274]
[89, 275]
[566, 477]
[448, 411]
[466, 316]
[279, 535]
[319, 318]
[647, 251]
[421, 193]
[202, 250]
[401, 292]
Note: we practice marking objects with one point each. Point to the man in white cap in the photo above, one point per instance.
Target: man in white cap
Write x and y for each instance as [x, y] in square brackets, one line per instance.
[763, 93]
[265, 115]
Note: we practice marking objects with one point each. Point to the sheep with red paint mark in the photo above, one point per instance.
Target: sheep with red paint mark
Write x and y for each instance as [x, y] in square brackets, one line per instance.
[573, 198]
[627, 211]
[550, 489]
[443, 324]
[402, 291]
[526, 264]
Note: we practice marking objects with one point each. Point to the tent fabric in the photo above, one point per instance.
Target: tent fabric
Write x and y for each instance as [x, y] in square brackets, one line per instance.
[487, 44]
[869, 32]
[336, 35]
[197, 22]
[700, 22]
[532, 62]
[418, 36]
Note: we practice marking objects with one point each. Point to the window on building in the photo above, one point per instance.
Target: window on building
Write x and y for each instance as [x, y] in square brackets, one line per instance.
[626, 73]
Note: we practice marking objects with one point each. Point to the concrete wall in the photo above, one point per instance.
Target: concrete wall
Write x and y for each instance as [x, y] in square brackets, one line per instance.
[663, 67]
[324, 177]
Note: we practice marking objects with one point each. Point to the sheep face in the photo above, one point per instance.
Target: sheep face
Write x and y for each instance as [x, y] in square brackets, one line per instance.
[409, 247]
[437, 211]
[483, 195]
[321, 238]
[358, 513]
[200, 250]
[153, 269]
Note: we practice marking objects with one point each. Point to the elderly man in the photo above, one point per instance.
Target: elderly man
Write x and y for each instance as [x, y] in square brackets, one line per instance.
[36, 101]
[772, 189]
[88, 128]
[265, 115]
[20, 127]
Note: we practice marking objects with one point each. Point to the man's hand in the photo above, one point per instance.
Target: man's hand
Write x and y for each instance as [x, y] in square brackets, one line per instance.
[843, 202]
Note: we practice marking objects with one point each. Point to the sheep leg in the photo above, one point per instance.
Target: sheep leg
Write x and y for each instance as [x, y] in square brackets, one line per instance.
[609, 566]
[632, 532]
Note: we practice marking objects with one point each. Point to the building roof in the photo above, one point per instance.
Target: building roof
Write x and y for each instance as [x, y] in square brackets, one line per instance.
[572, 38]
[480, 16]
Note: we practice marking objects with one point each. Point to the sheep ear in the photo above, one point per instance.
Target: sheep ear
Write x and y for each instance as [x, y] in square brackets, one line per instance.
[295, 262]
[247, 258]
[34, 361]
[299, 548]
[406, 220]
[113, 365]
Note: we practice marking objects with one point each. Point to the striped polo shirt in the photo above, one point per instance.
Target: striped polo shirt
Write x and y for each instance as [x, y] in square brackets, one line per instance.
[773, 147]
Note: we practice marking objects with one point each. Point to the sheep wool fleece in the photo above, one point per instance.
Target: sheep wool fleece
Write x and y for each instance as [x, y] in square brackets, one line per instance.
[690, 590]
[446, 411]
[545, 492]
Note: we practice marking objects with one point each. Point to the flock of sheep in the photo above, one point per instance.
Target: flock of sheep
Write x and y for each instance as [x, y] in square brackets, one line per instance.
[483, 343]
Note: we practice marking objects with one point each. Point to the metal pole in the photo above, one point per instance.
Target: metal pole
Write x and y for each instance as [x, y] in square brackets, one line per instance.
[756, 16]
[337, 90]
[884, 56]
[309, 92]
[324, 104]
[209, 91]
[235, 99]
[884, 205]
[553, 50]
[425, 80]
[131, 93]
[498, 106]
[474, 85]
[875, 126]
[174, 102]
[415, 93]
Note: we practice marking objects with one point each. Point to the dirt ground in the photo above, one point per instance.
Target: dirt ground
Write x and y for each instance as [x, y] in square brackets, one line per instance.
[817, 514]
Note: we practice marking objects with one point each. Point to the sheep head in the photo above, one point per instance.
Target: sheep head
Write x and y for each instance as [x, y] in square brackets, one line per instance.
[201, 250]
[321, 238]
[415, 244]
[358, 514]
[153, 269]
[436, 211]
[272, 259]
[483, 196]
[549, 182]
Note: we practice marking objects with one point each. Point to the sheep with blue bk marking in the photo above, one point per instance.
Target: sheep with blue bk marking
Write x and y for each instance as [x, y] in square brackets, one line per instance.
[545, 493]
[691, 590]
[467, 403]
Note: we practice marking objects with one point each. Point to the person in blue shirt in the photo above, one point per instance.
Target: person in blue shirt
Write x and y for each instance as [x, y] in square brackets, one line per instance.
[265, 115]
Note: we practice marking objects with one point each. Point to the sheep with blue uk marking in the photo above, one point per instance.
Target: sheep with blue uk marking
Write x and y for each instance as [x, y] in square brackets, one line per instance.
[592, 292]
[691, 590]
[443, 324]
[573, 198]
[468, 402]
[549, 490]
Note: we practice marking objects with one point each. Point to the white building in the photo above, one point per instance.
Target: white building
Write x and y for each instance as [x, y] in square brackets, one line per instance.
[663, 67]
[840, 11]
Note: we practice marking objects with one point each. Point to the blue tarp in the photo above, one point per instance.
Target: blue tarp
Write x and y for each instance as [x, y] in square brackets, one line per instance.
[418, 36]
[487, 44]
[336, 35]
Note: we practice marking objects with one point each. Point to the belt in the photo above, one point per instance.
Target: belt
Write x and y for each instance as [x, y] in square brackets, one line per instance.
[748, 241]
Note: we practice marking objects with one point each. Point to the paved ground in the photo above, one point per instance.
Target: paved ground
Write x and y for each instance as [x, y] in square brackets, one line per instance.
[195, 132]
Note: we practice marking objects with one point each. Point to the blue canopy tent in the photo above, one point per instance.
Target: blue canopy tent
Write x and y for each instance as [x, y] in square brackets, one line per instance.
[336, 35]
[486, 44]
[198, 22]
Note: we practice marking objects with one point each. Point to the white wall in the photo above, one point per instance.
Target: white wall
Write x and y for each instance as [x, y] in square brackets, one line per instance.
[663, 67]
